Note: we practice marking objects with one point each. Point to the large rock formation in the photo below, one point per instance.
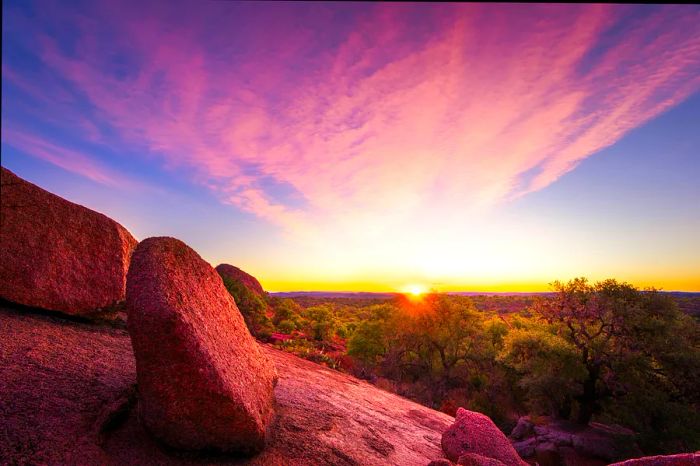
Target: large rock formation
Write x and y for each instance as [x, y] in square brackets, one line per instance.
[57, 255]
[67, 399]
[203, 381]
[236, 274]
[475, 433]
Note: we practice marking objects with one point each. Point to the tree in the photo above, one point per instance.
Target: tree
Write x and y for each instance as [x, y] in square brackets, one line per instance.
[438, 346]
[368, 342]
[322, 322]
[448, 333]
[594, 319]
[548, 365]
[617, 339]
[286, 326]
[285, 310]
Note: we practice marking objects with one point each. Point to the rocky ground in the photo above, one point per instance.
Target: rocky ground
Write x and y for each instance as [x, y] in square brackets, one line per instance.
[69, 397]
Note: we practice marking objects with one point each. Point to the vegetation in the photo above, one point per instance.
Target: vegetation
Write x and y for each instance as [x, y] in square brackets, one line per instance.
[608, 340]
[252, 307]
[584, 352]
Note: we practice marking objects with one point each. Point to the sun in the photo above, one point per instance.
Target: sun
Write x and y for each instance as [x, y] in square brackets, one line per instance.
[415, 290]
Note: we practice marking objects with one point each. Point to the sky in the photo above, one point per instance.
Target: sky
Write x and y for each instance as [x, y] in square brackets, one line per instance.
[372, 146]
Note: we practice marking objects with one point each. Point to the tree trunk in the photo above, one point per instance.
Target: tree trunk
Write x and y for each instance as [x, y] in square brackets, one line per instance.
[564, 409]
[588, 401]
[585, 413]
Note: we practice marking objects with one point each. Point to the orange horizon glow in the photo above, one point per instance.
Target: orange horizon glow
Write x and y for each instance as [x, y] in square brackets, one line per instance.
[688, 286]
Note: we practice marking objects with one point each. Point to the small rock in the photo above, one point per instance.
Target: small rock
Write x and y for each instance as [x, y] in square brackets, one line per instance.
[560, 439]
[525, 448]
[474, 432]
[523, 429]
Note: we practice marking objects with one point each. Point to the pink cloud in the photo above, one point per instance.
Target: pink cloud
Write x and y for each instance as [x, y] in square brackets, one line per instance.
[385, 124]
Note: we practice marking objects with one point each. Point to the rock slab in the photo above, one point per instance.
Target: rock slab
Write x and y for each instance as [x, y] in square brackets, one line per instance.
[57, 255]
[58, 375]
[203, 381]
[476, 433]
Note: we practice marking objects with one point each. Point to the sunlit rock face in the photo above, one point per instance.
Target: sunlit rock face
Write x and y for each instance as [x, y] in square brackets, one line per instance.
[57, 255]
[203, 381]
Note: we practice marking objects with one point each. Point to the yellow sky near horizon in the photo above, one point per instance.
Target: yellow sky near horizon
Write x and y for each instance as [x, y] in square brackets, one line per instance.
[687, 284]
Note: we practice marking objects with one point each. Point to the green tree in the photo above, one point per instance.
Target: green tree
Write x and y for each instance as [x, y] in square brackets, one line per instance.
[447, 334]
[285, 309]
[368, 343]
[321, 321]
[606, 344]
[549, 367]
[439, 344]
[286, 326]
[495, 330]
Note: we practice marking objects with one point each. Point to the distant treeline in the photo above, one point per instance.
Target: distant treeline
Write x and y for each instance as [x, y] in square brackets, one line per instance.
[688, 302]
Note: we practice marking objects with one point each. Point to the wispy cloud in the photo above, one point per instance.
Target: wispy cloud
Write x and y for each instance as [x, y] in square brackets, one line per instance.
[371, 119]
[68, 159]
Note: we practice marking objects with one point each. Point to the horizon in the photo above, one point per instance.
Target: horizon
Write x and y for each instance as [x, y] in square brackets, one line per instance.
[464, 292]
[372, 148]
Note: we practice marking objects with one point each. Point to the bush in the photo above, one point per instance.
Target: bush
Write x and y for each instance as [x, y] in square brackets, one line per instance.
[252, 307]
[286, 326]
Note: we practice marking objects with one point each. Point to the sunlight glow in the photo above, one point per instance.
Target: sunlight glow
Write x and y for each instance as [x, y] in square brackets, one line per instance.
[415, 290]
